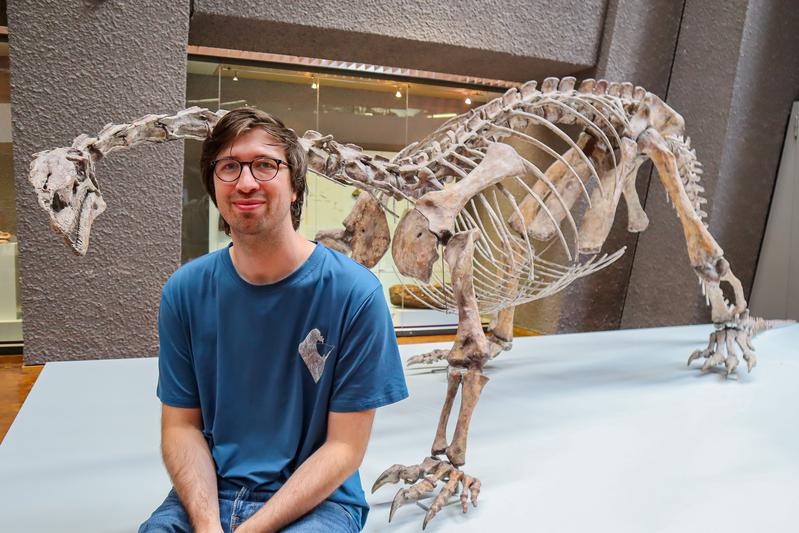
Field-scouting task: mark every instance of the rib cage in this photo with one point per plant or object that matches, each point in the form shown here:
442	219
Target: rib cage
510	268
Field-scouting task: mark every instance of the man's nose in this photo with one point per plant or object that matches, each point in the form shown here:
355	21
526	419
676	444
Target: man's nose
246	182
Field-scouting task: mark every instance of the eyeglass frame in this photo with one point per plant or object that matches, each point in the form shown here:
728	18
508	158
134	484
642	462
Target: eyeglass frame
248	163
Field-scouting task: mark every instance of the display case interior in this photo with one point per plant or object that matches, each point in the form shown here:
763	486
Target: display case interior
10	310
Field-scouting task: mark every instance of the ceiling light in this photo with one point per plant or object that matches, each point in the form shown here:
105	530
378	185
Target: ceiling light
236	76
468	101
398	94
314	86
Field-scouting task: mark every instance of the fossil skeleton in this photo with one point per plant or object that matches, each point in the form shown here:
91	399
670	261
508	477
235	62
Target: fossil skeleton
494	213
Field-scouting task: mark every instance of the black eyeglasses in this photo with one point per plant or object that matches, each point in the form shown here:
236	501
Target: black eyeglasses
261	168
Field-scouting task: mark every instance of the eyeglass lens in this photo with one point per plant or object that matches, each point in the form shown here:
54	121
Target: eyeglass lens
262	168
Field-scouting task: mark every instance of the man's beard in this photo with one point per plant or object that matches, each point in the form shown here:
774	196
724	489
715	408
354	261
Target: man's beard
267	224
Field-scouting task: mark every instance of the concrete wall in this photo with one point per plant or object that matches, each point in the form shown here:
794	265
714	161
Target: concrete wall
734	77
502	39
76	65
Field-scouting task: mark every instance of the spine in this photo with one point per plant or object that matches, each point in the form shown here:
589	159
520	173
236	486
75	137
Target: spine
690	169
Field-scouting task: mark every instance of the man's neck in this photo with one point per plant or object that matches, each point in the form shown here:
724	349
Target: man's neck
263	261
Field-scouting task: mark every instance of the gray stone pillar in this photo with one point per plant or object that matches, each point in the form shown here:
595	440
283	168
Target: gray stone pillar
75	66
735	75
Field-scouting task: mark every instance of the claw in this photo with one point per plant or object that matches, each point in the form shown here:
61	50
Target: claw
408	474
749	344
399	500
412	494
704	353
471	487
428	358
443	497
732	360
389	475
731	363
466	483
696	355
713	360
475	491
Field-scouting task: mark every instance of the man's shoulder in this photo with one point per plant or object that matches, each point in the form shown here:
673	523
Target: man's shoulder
348	273
195	271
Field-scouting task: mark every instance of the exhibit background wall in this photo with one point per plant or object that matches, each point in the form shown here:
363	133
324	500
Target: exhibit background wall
76	66
728	67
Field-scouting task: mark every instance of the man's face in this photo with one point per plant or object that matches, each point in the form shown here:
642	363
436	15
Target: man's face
254	207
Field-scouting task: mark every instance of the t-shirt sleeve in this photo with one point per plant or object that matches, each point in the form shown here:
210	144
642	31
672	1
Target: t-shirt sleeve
368	370
177	383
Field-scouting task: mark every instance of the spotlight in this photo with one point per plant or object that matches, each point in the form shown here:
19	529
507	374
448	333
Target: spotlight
314	86
468	101
236	76
398	94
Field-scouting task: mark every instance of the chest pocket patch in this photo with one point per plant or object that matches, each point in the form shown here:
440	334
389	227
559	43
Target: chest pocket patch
314	353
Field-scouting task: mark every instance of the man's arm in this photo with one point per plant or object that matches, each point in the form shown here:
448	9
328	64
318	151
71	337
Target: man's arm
189	463
322	473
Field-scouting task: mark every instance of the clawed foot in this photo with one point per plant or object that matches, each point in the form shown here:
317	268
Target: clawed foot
721	348
428	358
423	479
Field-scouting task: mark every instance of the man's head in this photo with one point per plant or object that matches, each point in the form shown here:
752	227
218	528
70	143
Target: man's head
244	134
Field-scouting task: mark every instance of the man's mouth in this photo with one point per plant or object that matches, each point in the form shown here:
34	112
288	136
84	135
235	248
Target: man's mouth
248	205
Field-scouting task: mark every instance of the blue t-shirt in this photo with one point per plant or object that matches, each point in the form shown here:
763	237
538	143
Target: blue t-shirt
266	363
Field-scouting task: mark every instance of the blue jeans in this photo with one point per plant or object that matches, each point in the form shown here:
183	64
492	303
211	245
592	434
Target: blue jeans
236	506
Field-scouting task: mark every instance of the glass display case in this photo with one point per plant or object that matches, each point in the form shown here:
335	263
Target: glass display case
10	312
380	115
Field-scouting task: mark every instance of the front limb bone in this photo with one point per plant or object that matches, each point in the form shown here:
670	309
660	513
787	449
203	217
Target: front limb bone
637	219
365	235
706	256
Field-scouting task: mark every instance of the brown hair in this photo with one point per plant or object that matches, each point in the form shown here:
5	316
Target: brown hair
242	120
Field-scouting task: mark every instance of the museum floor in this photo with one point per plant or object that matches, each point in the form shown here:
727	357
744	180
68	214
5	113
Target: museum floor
16	381
603	431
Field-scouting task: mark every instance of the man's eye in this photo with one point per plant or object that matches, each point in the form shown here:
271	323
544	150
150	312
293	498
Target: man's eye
265	164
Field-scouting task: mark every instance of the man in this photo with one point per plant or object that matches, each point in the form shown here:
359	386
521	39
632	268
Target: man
274	354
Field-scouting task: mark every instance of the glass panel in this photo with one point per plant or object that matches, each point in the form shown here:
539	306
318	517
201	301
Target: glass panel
10	311
202	90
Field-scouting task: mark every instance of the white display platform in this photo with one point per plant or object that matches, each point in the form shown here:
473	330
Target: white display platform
587	432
